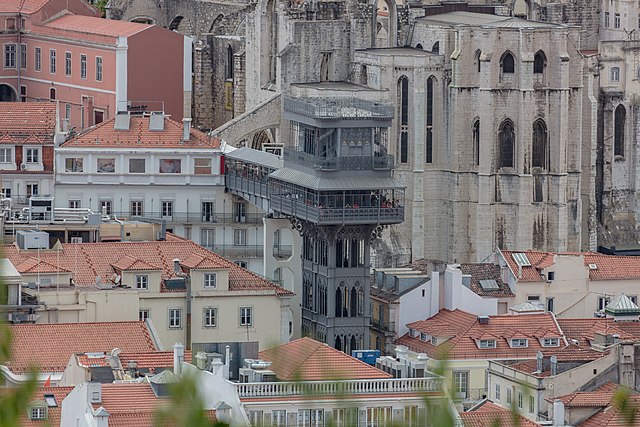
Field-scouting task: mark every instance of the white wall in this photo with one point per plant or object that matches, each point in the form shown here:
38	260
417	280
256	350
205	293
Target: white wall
458	296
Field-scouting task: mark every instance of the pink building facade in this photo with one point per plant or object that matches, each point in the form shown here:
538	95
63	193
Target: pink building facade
61	50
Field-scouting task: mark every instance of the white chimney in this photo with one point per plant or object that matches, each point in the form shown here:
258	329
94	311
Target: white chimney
554	366
178	357
176	265
539	361
186	129
558	413
227	361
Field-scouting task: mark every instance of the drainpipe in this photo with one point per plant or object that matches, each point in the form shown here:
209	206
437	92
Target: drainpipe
115	218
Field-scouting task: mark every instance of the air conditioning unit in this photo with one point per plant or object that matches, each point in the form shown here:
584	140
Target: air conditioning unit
23	167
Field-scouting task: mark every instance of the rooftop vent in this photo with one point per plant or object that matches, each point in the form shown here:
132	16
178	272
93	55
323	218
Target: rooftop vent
123	119
521	259
489	285
156	121
483	320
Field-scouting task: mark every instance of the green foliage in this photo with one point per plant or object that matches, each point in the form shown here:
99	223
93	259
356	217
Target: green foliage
101	5
625	406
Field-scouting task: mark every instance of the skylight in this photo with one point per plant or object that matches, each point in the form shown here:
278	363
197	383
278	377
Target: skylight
488	285
521	259
51	400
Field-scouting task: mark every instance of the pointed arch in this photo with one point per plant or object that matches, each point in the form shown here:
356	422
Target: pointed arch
436	48
419	46
476	59
216	25
339	302
228	65
620	118
539	62
507	144
353	309
338	343
429	131
508	63
403	102
539	145
353	344
476	141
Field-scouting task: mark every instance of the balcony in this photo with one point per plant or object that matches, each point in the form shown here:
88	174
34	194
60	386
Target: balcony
246	251
240	185
385	327
340	163
340	388
282	251
338	108
335	216
197	217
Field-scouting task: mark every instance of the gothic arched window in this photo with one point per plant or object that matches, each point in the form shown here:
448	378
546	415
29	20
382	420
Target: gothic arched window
508	63
539	145
539	62
507	141
403	95
618	131
429	137
476	141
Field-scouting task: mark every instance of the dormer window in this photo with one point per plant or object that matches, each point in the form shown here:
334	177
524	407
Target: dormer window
551	342
38	413
519	342
210	280
434	340
413	333
487	343
424	337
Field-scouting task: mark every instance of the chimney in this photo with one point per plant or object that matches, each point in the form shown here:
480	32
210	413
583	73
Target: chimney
227	362
178	357
176	266
539	361
483	320
95	392
186	129
201	360
558	413
554	366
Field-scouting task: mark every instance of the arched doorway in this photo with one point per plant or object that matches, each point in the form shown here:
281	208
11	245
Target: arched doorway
7	93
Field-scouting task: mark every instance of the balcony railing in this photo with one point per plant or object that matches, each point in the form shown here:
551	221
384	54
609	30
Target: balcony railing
282	251
340	163
318	215
338	108
337	388
245	251
239	184
383	326
197	217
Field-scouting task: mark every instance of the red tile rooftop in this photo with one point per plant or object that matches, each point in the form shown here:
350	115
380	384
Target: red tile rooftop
598	398
157	359
310	360
463	329
585	330
611	416
104	135
53	412
489	415
50	346
90	260
95	25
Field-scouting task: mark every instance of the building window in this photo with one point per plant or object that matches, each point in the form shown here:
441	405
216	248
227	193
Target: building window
614	74
436	48
73	164
175	317
246	316
23	93
52	61
239	237
137	208
508	63
606	19
379	417
618	130
207	237
497	397
137	166
32	190
67	63
410	417
311	417
539	62
507	141
460	384
83	66
228	66
52	94
210	280
39	413
10	23
477	60
167	210
33	155
23	56
67	111
210	317
6	155
532	404
170	166
550	304
106	207
202	166
487	343
98	69
279	418
107	165
550	342
240	212
520	403
207	212
242	264
10	55
539	145
603	302
255	418
74	204
403	94
143	315
476	142
429	136
508	395
519	342
616	20
37	63
142	282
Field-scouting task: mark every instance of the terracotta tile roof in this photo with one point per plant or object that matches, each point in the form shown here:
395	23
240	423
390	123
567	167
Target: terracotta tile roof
584	330
24	6
612	416
311	360
94	25
133	405
156	359
486	271
128	262
27	122
464	329
87	361
53	412
197	261
50	346
608	267
598	398
89	260
489	414
32	265
104	135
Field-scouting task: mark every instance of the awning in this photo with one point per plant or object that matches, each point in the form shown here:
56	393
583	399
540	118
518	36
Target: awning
349	183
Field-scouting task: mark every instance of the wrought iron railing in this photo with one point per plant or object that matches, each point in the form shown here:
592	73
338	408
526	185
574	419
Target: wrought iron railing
383	326
338	108
340	163
282	251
